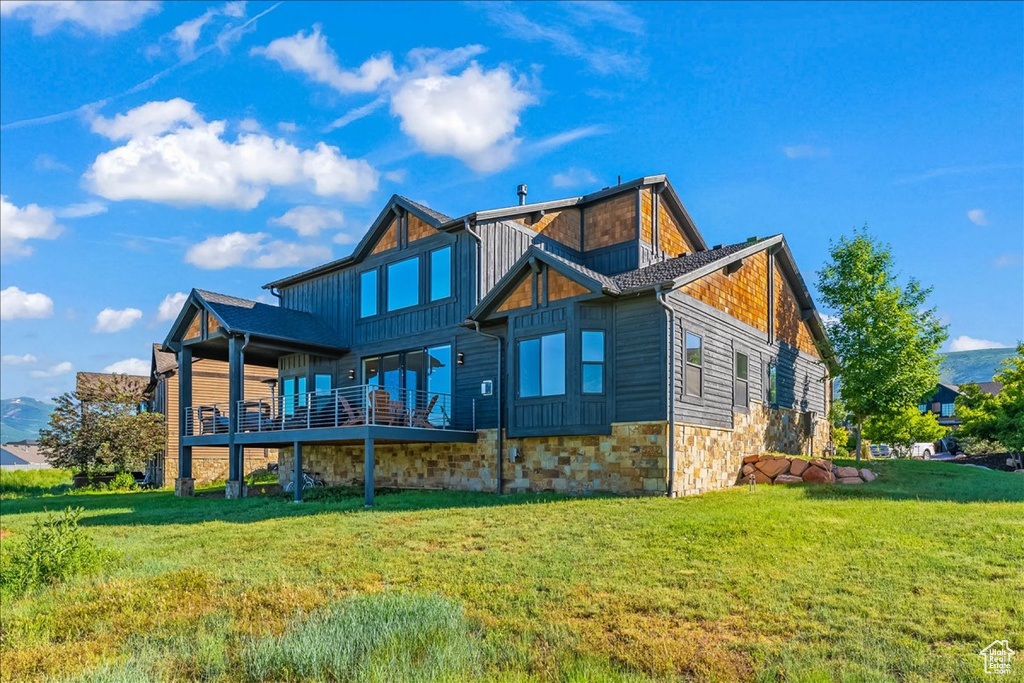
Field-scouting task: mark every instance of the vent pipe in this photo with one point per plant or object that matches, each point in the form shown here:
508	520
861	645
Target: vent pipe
521	191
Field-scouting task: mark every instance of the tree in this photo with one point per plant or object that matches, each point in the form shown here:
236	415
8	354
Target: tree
997	418
101	428
904	428
884	339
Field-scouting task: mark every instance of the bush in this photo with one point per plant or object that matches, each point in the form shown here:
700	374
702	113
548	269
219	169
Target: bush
55	549
842	452
973	445
123	481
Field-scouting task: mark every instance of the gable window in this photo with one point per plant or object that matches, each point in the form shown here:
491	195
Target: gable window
542	366
694	365
592	355
403	283
367	293
773	392
440	273
741	384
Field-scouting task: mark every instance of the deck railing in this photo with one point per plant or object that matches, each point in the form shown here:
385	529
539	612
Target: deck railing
366	404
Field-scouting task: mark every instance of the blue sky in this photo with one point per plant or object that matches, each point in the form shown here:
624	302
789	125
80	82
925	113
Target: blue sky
148	148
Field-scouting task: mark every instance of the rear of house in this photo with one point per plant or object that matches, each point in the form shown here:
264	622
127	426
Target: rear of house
594	343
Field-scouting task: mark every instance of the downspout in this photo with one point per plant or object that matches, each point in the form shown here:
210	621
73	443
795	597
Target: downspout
274	292
498	390
479	252
660	295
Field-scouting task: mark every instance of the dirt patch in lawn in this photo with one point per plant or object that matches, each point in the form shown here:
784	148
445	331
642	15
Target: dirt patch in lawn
993	461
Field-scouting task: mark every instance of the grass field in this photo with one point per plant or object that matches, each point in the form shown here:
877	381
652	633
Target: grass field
903	579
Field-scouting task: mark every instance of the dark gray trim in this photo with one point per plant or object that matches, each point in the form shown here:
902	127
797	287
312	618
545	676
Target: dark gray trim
335	435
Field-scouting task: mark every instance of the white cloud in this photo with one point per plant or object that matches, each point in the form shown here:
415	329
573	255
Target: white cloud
83	210
53	371
175	157
130	366
574	177
397	176
17	225
311	55
561	139
187	34
48	162
27	359
250	126
15	304
805	152
308	221
356	114
1010	258
254	251
170	307
472	116
111	320
965	343
105	18
287	127
977	216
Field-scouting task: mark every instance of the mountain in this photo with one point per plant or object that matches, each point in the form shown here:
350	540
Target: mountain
961	367
22	418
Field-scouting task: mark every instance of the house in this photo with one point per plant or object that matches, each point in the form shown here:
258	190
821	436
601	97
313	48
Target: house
210	384
22	454
942	401
594	343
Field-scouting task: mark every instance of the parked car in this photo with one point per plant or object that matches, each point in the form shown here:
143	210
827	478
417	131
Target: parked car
880	450
923	450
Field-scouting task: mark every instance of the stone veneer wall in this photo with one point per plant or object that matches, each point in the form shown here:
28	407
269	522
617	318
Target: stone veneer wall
631	459
710	458
207	469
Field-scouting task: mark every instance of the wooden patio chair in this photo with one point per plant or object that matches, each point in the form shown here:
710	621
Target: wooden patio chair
421	417
384	411
349	415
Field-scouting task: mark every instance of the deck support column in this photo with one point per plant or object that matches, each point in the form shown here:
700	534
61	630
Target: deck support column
184	484
297	471
235	485
368	471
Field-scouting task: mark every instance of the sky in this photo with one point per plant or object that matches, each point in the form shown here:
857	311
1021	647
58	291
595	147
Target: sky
148	148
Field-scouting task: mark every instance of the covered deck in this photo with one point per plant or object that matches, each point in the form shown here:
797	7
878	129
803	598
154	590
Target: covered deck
249	333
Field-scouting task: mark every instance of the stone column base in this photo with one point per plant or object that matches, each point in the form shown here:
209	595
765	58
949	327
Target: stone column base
235	489
184	486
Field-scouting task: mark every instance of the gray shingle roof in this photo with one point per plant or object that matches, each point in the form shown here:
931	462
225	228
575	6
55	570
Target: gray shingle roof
606	281
436	215
165	360
242	315
670	269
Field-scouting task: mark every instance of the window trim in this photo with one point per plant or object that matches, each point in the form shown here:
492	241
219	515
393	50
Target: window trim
736	353
429	259
602	363
771	388
687	365
540	367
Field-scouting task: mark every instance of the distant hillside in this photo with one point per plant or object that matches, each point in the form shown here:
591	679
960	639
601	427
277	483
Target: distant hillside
961	367
22	418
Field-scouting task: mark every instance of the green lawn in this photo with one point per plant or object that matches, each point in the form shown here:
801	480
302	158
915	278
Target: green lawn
904	579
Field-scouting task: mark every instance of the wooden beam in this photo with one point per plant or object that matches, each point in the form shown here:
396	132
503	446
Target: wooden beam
368	471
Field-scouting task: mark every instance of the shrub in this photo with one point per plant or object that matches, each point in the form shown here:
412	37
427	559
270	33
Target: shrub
973	445
55	549
123	481
842	452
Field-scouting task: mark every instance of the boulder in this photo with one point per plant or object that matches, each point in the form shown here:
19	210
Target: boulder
788	479
773	467
867	475
850	480
847	472
761	477
823	464
747	469
750	458
797	466
817	475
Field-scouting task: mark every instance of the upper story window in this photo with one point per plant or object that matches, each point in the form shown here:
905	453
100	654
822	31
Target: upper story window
403	283
741	382
923	407
440	273
592	355
367	293
773	392
542	366
694	370
947	410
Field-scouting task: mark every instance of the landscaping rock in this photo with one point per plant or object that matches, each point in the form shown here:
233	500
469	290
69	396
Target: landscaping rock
823	464
761	477
751	458
773	467
788	479
797	466
847	472
817	475
850	480
747	469
867	475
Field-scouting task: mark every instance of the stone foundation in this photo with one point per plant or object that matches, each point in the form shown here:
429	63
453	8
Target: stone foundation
183	487
210	468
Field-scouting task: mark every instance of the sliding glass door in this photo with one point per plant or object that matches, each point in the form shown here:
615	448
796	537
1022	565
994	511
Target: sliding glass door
414	378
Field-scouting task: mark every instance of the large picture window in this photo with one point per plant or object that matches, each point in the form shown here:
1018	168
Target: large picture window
440	274
367	293
403	284
694	369
592	355
741	381
542	366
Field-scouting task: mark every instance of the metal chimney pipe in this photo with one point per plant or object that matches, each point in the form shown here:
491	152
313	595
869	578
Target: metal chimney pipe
521	191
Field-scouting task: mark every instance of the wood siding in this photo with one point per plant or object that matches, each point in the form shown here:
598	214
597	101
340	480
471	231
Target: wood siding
521	296
610	222
561	287
562	226
670	236
639	360
418	228
388	240
646	215
743	294
789	324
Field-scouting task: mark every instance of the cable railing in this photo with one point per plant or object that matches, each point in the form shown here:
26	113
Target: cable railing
351	406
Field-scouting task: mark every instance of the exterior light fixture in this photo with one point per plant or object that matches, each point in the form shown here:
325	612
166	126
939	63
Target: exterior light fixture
352	374
460	358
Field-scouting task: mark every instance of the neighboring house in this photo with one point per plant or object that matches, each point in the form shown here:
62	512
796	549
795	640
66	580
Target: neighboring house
210	384
23	454
594	343
942	401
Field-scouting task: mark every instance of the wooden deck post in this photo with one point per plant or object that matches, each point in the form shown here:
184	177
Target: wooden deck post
368	471
297	471
184	484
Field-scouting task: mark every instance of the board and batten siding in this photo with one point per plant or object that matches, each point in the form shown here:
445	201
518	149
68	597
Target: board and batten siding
638	359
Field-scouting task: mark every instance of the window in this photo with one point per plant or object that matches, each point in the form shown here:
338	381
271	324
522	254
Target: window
293	393
367	293
922	407
404	284
741	385
694	365
441	274
947	410
542	366
592	348
322	385
773	394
